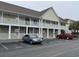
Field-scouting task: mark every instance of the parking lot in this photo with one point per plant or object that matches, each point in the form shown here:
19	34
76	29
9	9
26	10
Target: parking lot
21	45
49	46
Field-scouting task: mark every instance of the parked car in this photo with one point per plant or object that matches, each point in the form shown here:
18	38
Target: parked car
32	38
65	36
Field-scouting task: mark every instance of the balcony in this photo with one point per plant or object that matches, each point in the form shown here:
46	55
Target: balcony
63	27
34	23
10	21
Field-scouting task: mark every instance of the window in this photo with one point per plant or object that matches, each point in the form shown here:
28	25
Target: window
35	21
54	22
63	24
27	21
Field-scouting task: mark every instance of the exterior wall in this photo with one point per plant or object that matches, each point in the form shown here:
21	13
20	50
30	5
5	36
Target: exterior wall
9	18
44	33
14	32
33	30
22	21
4	32
50	15
50	33
22	32
0	16
67	26
19	23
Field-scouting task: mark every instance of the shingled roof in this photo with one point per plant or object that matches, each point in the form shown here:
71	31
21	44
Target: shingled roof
18	9
26	11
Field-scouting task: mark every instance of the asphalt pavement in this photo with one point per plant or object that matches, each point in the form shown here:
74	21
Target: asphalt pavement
49	48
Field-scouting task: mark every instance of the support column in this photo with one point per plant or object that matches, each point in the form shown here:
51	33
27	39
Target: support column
59	27
47	33
19	32
26	30
41	32
30	21
33	30
59	31
18	19
53	33
2	17
9	31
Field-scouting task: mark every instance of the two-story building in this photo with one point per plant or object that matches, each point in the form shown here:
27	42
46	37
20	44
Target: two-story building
16	21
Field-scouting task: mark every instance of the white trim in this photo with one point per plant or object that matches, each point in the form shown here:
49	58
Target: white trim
30	21
9	31
18	32
47	33
53	33
26	30
41	32
2	17
18	19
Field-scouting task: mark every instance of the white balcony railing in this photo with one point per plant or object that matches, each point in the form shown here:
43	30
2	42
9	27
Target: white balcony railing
34	24
10	21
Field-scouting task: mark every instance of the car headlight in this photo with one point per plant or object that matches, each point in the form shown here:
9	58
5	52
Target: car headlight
35	39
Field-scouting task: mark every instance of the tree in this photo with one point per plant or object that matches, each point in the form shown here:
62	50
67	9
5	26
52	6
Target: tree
74	26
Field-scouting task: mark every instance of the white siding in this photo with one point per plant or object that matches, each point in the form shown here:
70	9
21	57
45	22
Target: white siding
50	15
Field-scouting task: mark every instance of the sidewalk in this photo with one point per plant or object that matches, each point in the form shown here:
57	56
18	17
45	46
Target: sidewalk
10	40
20	40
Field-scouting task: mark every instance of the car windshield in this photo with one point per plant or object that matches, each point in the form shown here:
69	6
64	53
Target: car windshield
33	36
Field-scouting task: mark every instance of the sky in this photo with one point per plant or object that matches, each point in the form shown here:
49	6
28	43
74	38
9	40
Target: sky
64	9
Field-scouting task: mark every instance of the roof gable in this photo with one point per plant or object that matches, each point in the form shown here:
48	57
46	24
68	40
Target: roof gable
49	14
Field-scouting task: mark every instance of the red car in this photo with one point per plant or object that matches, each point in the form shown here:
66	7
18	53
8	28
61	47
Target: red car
65	36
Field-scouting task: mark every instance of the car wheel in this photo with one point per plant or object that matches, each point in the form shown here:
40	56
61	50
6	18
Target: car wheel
67	38
31	42
40	43
57	37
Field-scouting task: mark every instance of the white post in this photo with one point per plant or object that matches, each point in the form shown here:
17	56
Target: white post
59	31
33	30
41	32
18	19
18	27
59	27
30	21
47	33
19	32
53	33
39	22
2	17
9	31
26	30
40	25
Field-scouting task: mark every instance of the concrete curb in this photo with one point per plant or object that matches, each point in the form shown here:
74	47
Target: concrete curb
20	40
10	40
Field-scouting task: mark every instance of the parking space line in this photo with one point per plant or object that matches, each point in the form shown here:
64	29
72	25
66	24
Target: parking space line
19	47
4	46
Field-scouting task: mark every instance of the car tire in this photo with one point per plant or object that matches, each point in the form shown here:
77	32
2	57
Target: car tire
67	38
40	43
57	37
31	42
